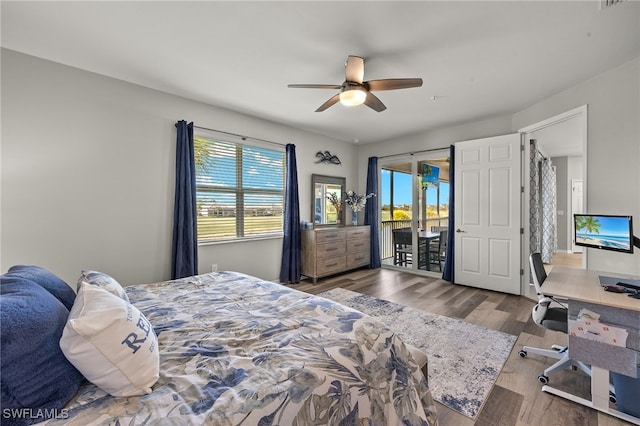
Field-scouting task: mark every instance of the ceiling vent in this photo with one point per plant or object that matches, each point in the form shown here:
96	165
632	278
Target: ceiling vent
608	3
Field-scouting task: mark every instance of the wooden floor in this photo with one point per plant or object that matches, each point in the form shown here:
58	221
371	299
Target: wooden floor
516	398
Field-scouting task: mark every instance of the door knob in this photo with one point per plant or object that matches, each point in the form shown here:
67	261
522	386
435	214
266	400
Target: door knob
460	230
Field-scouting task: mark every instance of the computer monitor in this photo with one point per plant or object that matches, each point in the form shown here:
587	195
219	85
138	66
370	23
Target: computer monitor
605	232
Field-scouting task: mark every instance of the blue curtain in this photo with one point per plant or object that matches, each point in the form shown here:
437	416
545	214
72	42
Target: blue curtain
371	213
291	256
184	255
448	273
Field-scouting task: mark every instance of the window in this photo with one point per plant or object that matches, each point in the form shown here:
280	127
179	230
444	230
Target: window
438	202
239	189
397	198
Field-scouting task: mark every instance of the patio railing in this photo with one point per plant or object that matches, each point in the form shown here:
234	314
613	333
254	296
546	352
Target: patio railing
386	232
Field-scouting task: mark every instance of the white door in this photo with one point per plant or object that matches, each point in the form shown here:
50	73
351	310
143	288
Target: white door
577	199
488	204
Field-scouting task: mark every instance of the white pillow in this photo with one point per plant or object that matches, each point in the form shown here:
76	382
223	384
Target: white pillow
100	279
111	343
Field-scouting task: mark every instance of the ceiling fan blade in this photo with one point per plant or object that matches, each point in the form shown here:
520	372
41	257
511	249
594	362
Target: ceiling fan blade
374	103
314	86
334	100
393	84
354	69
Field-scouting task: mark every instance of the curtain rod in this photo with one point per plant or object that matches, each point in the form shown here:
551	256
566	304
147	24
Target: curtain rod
243	137
415	152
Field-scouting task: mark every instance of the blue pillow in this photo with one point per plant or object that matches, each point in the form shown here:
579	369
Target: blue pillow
34	373
54	285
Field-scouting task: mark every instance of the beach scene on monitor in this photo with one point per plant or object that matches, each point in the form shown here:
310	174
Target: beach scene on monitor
603	231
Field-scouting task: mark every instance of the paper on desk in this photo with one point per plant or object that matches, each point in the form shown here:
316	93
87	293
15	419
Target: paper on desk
587	315
594	330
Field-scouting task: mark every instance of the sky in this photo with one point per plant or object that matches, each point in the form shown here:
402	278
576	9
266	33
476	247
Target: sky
261	169
402	190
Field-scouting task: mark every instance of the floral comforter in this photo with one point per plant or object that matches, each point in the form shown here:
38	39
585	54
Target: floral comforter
237	350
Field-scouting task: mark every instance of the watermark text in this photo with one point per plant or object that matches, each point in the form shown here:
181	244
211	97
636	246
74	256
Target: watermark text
35	413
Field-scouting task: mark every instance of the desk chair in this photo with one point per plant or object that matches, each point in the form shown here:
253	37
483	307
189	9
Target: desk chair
402	250
552	318
438	249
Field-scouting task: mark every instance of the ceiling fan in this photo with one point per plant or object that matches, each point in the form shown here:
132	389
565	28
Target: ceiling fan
354	91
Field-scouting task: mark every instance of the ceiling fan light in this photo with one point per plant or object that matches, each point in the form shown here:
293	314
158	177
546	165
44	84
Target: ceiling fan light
352	96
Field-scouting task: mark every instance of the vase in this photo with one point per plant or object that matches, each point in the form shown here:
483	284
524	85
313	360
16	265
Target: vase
354	218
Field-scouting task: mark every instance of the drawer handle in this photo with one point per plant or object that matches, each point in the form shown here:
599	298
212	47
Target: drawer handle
331	264
358	245
359	258
330	236
332	249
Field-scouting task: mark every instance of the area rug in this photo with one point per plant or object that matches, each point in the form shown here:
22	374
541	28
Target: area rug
464	359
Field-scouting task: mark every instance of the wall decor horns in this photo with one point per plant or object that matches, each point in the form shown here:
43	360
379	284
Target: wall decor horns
327	157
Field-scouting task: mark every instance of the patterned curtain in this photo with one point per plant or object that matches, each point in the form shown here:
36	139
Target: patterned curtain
542	204
549	211
535	215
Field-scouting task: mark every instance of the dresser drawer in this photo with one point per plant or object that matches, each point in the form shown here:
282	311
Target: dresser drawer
330	249
358	232
332	235
357	245
330	264
358	259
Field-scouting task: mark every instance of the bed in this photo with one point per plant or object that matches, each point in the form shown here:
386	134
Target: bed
237	350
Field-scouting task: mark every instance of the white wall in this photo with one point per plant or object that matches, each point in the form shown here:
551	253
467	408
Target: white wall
575	171
434	139
613	149
575	168
87	174
562	202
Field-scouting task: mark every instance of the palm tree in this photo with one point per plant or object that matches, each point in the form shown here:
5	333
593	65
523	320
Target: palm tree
201	154
589	223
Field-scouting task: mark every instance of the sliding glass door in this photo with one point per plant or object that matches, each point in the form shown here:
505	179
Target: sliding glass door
415	209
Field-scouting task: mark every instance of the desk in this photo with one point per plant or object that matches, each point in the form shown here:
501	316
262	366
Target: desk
582	290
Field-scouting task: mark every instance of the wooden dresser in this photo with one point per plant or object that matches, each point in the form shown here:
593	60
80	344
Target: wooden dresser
327	251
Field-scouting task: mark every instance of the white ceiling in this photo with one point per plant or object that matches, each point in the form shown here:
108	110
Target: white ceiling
479	59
